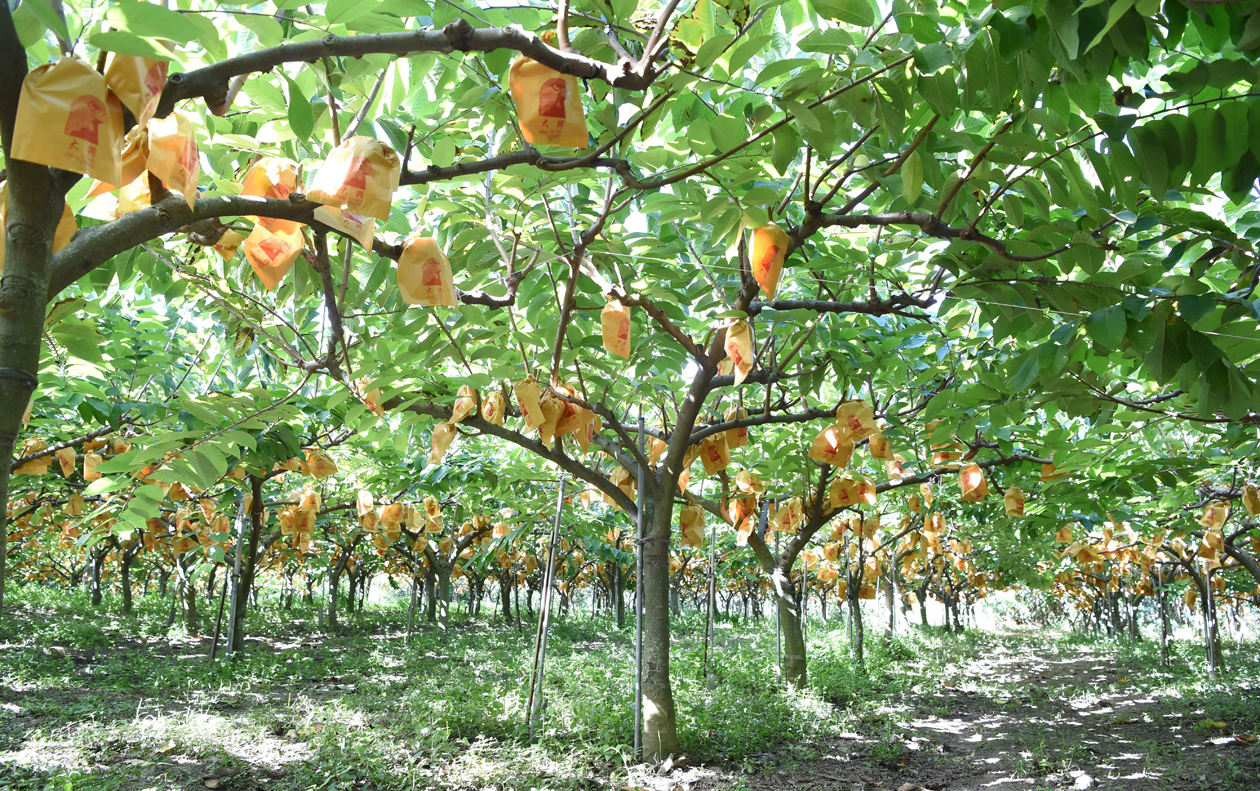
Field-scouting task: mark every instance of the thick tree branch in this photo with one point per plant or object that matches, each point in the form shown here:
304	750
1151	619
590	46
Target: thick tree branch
212	82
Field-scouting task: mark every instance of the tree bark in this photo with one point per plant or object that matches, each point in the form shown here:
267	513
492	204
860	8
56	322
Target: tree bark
249	557
660	735
505	594
35	204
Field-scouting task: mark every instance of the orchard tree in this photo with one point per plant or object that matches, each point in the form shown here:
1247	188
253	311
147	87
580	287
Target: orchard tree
1028	222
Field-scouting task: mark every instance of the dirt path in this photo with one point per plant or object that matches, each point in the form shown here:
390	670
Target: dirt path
1017	720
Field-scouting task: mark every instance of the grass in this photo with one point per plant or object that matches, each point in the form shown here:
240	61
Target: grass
95	700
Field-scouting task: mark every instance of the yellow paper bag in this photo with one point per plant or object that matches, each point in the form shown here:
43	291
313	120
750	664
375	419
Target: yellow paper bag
551	407
572	417
769	246
857	419
1214	514
852	489
35	466
68	118
623	480
691	522
173	154
739	348
736	437
880	447
272	177
1251	499
1014	501
356	226
137	82
832	446
424	274
135	162
972	483
360	175
893	467
925	489
586	434
271	254
1064	535
443	435
914	504
90	462
65	458
615	323
228	244
740	510
747	482
465	404
548	104
714	454
65	231
319	464
494	407
528	395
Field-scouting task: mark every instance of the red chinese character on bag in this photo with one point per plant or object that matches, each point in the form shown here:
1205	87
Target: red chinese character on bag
431	272
273	247
551	98
86	115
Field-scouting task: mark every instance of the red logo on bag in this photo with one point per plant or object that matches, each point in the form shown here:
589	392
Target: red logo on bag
273	247
277	190
714	455
768	259
551	98
358	172
623	331
87	113
431	272
155	78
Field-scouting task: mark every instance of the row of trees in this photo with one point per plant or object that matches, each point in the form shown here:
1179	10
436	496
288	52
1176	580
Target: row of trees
1018	237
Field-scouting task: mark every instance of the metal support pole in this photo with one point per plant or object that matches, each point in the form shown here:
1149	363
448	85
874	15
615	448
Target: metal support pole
712	588
544	619
236	573
638	607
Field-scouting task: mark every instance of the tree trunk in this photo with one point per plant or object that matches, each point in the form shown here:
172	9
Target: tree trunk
794	664
660	735
444	596
619	598
505	595
856	629
34	209
192	622
249	554
430	596
124	563
98	560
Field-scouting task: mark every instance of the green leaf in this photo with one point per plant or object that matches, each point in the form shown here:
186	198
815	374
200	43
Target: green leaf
1151	159
787	145
150	20
1118	9
1107	327
911	178
56	24
854	12
301	116
125	43
1065	24
1168	352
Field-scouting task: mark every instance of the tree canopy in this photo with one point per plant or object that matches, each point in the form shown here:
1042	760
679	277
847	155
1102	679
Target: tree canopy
1017	251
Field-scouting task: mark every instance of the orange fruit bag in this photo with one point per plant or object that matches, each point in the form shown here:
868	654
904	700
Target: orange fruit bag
271	254
769	246
548	104
615	324
355	226
738	347
424	273
68	118
137	82
360	175
272	177
173	154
